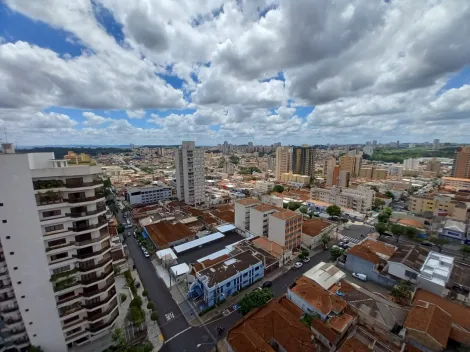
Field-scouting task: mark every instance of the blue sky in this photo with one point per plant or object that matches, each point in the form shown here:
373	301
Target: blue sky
233	72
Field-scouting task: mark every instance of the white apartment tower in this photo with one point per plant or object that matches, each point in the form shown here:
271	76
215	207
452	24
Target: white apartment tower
57	286
283	161
190	173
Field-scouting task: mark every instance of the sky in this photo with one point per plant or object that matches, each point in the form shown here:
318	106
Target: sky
116	72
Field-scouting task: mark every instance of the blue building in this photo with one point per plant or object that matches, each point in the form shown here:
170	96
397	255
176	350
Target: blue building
455	231
227	277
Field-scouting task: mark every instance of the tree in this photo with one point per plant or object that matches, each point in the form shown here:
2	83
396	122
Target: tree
144	347
378	203
119	340
120	228
397	231
255	299
374	188
325	238
135	315
234	159
336	252
439	242
278	188
402	292
145	293
381	228
35	349
465	251
154	316
293	206
136	302
151	306
463	348
411	233
385	215
389	194
303	209
107	183
333	210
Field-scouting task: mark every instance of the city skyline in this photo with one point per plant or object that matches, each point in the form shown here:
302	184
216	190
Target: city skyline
103	72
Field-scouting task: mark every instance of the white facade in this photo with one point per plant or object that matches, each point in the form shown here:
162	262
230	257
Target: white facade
395	170
360	199
411	164
148	195
402	271
369	150
56	248
264	186
190	174
435	273
242	213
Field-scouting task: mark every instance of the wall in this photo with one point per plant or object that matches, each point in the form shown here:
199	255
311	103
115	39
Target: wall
359	265
431	286
276	230
398	270
256	222
302	304
25	251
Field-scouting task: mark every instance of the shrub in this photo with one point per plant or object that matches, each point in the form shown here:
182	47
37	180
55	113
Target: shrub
145	293
136	302
151	306
154	316
123	297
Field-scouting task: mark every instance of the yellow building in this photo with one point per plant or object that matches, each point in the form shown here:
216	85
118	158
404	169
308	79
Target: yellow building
75	158
421	204
366	172
379	174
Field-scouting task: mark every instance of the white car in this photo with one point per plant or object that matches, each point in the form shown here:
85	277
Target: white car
306	259
146	254
362	277
298	265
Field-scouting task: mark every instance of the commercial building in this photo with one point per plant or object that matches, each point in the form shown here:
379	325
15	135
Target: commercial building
461	166
264	186
312	231
242	212
164	234
190	173
436	144
411	164
148	194
283	161
285	228
421	204
395	170
434	165
360	199
57	279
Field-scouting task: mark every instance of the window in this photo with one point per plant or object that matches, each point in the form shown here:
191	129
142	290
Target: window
8	237
57	242
61	269
12	253
23	296
19	282
15	268
4	221
411	274
59	256
30	323
48	214
26	310
228	285
35	335
54	228
1	204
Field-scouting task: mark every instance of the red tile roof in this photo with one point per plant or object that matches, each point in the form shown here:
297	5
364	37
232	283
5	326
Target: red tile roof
365	253
164	232
313	227
379	247
354	345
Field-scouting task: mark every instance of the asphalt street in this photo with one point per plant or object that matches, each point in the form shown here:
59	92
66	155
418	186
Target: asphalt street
170	318
189	339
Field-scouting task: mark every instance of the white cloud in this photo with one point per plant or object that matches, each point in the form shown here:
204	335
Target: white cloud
93	119
135	114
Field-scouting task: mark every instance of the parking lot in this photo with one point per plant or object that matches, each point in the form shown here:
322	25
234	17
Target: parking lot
191	256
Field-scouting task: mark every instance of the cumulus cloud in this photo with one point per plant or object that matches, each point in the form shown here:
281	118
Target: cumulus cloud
368	69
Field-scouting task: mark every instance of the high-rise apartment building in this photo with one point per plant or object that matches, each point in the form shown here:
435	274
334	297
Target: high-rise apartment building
351	164
332	177
461	167
283	161
344	177
328	164
303	160
190	173
434	165
411	164
56	272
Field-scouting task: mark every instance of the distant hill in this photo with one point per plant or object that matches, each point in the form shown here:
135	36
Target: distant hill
60	152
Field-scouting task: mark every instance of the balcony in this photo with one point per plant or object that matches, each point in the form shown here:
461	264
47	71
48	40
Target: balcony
5	288
91	241
73	323
22	341
11	321
97	278
66	284
86	227
108	298
83	184
91	254
47	184
99	209
5	298
74	308
95	328
101	290
61	246
17	332
83	199
82	267
100	315
9	309
69	299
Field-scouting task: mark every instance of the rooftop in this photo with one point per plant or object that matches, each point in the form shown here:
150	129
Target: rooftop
437	268
266	207
447	178
224	215
411	222
248	201
411	256
325	274
383	250
431	320
269	246
460	314
286	214
279	320
317	297
354	345
163	233
226	269
365	253
313	227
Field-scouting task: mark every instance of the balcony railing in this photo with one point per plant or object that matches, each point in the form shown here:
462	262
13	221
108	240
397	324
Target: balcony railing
83	184
17	331
68	299
11	321
111	295
95	292
47	184
46	201
6	298
22	341
97	277
86	227
65	245
97	327
91	254
93	317
84	199
70	310
5	286
86	213
93	240
9	309
66	284
100	264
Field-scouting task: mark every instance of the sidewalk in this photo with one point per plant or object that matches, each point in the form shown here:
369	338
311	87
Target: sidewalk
154	334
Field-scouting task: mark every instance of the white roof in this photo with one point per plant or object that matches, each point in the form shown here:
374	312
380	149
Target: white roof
166	254
180	269
199	242
189	220
226	228
437	268
325	274
214	255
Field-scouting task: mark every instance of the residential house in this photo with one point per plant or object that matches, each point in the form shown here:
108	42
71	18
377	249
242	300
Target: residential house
313	230
406	262
455	231
435	273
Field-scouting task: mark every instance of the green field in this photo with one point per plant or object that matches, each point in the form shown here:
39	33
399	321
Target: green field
398	155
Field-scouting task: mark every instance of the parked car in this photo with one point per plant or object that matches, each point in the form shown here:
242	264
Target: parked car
267	284
362	277
427	244
129	234
298	265
135	234
146	254
306	259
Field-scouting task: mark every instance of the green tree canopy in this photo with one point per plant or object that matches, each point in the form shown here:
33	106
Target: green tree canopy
255	299
385	215
234	159
325	238
402	292
278	188
381	228
120	228
333	210
336	252
303	209
389	194
293	206
397	231
439	242
378	203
